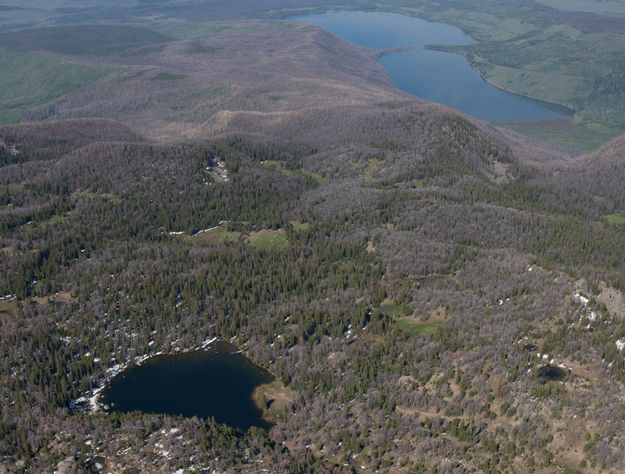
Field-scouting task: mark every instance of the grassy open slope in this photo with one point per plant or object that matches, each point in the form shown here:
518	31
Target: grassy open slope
561	65
565	132
93	40
615	218
30	80
600	7
568	58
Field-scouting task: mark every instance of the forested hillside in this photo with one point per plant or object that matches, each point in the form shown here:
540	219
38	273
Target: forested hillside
434	293
411	286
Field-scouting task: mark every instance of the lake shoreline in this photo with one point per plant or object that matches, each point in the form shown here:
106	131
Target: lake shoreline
215	379
443	49
270	397
90	402
399	49
425	73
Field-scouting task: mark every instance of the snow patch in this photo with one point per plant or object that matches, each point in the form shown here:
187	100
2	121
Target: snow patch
205	230
580	299
207	342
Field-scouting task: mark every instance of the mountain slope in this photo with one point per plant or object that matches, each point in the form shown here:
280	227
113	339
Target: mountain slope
433	302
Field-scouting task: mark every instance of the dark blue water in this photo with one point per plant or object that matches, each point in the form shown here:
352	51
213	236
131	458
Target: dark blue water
215	382
432	75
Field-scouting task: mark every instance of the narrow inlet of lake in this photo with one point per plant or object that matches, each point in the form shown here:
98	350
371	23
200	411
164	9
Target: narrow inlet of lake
436	76
214	382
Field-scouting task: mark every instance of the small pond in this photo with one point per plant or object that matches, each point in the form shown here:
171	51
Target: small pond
217	381
436	76
552	372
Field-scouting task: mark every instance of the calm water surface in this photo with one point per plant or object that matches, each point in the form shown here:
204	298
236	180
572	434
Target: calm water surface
215	382
436	76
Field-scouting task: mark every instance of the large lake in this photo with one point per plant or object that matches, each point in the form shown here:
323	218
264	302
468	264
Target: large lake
217	382
436	76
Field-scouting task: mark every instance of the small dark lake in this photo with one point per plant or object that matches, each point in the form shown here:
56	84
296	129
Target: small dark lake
551	372
217	381
436	76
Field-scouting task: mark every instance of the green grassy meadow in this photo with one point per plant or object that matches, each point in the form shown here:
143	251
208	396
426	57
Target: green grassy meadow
564	132
615	218
31	80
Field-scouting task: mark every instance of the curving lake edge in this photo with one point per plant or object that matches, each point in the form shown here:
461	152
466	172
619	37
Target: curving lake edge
90	401
431	47
192	383
503	106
